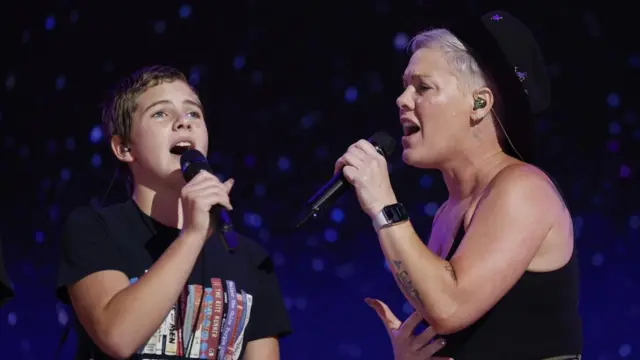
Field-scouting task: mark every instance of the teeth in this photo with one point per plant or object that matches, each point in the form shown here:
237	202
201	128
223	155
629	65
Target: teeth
183	143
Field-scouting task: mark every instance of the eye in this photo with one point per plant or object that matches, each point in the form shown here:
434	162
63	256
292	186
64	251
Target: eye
422	88
159	115
194	114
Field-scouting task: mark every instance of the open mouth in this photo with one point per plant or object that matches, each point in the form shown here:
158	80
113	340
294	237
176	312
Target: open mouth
410	128
180	147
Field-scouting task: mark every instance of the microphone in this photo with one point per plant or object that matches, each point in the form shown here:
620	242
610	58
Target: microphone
338	185
192	162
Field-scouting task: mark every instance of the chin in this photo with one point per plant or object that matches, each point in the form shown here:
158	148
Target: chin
418	159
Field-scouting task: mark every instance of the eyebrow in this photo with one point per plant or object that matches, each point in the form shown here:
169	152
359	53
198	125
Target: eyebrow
414	75
189	102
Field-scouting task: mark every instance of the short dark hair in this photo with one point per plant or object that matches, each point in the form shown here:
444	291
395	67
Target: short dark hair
117	112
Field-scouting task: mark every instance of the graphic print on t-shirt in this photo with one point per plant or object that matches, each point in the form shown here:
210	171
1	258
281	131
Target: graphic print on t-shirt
205	323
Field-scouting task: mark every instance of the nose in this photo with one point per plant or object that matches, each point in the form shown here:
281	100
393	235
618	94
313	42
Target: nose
405	100
182	123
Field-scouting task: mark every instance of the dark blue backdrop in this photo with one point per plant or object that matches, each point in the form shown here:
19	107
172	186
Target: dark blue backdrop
287	88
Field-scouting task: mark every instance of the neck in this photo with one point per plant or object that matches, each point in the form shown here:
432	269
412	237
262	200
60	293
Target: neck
164	206
467	176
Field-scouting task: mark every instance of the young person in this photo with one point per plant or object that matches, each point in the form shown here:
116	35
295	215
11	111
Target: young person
149	278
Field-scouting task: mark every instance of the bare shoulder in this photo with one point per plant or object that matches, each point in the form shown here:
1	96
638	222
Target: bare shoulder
526	189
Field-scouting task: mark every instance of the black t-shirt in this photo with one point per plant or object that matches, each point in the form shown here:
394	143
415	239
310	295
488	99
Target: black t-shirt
231	298
5	285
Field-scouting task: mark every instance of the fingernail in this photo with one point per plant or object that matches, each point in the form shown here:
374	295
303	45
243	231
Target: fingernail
369	301
442	341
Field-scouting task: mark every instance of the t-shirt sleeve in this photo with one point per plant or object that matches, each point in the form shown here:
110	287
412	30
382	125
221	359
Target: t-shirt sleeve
85	248
5	285
269	313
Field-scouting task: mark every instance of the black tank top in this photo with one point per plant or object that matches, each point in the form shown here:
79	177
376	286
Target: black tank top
537	319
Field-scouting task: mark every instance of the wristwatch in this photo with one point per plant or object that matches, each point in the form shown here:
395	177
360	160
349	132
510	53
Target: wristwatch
389	215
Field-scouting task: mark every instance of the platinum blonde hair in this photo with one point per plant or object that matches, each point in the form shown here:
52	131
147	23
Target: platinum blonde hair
461	61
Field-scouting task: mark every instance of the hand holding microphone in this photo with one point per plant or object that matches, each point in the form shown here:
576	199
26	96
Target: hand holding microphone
364	167
200	195
205	199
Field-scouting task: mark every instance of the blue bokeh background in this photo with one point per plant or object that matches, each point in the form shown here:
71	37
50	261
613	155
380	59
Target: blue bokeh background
287	87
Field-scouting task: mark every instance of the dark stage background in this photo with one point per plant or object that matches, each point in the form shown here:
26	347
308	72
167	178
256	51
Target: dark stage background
287	87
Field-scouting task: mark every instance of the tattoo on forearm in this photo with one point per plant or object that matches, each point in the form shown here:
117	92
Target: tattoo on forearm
451	272
402	276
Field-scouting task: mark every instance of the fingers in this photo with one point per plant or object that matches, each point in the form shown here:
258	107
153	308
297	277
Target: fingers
205	198
229	184
356	156
431	349
205	190
389	319
411	323
426	336
367	148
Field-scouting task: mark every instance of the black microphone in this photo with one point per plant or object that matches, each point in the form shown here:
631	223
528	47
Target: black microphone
331	191
193	162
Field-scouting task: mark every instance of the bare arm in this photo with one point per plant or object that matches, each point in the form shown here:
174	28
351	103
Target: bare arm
262	349
119	317
508	227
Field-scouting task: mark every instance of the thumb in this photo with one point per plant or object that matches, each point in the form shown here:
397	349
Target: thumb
389	319
229	184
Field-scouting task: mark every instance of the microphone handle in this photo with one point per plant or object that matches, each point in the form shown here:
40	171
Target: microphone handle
220	220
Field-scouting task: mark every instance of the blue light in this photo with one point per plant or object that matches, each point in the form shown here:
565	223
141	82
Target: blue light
283	163
400	41
259	190
239	62
252	220
70	143
249	161
386	265
351	94
96	160
634	222
96	134
60	82
160	27
614	128
330	235
65	174
73	16
431	208
317	265
613	100
50	22
426	181
337	215
39	237
185	11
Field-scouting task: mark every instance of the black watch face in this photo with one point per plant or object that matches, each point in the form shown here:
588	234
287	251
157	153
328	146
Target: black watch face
395	213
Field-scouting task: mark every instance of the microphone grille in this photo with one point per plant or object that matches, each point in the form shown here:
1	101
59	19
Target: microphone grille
384	141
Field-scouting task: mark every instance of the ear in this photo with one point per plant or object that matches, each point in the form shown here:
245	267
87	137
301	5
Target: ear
482	104
121	150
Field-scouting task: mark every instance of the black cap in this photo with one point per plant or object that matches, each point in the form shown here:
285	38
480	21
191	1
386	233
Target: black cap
506	50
